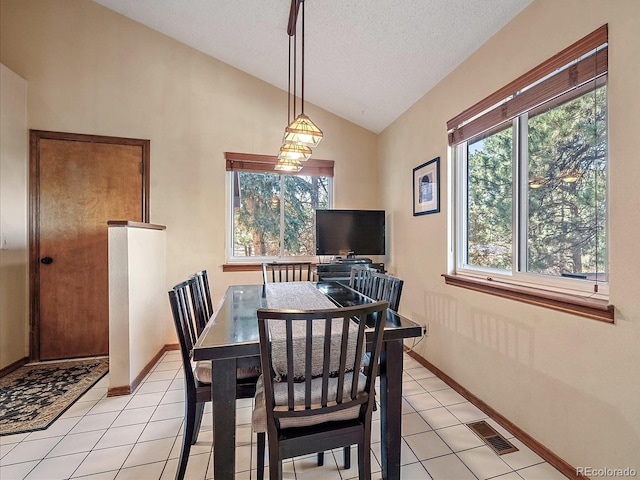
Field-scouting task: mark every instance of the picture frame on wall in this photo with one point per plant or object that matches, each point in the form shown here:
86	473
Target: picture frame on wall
426	188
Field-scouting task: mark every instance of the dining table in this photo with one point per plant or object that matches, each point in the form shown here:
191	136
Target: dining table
230	340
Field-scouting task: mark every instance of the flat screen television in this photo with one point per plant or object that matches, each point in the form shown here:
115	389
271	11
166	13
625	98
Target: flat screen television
350	232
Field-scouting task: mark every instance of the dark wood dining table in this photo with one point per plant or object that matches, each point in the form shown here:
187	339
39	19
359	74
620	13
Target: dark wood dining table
230	339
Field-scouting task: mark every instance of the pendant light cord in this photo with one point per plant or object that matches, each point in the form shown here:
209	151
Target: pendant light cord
295	67
289	87
595	171
302	71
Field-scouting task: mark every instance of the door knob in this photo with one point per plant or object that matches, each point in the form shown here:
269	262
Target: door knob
46	260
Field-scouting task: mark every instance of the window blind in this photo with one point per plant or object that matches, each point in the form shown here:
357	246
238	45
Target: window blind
248	162
515	98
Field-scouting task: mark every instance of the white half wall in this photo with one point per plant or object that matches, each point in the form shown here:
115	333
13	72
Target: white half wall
14	250
140	323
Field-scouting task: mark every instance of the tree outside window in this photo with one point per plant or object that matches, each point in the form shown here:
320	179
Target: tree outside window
275	215
562	212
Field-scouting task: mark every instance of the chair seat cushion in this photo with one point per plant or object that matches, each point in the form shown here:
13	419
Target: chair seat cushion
202	372
259	418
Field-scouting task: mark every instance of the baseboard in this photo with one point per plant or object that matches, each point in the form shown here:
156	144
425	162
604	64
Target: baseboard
13	366
128	389
118	391
546	454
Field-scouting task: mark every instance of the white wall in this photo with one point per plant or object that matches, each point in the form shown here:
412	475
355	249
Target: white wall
14	252
571	383
140	323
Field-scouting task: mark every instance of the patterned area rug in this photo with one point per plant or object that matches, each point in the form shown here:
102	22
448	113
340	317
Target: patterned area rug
34	395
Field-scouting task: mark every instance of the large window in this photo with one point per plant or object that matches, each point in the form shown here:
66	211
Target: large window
273	214
531	178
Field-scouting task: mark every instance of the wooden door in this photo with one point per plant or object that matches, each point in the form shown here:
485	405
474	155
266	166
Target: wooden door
78	183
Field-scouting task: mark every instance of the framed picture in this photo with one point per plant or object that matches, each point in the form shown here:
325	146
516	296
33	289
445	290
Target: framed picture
426	188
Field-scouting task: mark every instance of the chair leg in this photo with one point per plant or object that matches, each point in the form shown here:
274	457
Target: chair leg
275	462
190	414
364	460
197	422
260	459
346	454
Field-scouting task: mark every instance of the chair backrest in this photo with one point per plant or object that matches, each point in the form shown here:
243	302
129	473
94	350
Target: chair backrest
386	287
360	279
184	317
286	272
326	348
201	297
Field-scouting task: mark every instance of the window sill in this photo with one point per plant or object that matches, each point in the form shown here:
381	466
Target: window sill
584	307
242	267
247	267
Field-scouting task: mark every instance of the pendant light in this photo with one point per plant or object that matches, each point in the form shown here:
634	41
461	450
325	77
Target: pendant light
300	134
288	165
292	151
302	130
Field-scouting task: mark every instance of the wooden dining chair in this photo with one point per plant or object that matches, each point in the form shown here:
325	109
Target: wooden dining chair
360	279
286	272
385	287
201	298
313	394
198	378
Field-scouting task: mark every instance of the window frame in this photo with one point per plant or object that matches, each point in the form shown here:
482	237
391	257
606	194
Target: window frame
520	162
578	68
252	163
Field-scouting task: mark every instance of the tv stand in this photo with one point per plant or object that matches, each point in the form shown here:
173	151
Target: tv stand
340	269
351	259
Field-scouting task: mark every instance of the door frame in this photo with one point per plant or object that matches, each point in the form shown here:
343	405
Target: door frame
34	213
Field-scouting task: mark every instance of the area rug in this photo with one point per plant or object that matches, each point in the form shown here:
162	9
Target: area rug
34	395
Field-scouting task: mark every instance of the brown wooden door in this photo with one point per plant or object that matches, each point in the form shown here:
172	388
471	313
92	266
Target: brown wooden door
81	183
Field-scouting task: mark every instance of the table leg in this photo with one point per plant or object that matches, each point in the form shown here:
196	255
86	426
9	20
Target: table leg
223	393
391	358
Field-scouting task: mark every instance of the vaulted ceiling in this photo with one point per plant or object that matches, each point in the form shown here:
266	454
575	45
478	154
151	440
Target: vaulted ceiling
365	60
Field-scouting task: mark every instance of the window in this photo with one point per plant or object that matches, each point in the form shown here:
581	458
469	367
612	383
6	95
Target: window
273	214
531	176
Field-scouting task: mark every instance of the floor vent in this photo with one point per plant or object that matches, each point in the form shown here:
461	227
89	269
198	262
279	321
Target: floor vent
491	437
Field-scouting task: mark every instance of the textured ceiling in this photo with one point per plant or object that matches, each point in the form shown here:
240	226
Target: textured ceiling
365	60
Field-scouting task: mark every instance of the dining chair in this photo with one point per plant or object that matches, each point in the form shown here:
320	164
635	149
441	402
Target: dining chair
313	394
286	272
198	377
385	287
201	298
360	278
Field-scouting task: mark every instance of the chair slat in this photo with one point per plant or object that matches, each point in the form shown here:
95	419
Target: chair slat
308	365
290	374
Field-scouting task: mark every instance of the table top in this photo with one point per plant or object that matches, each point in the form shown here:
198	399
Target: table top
232	332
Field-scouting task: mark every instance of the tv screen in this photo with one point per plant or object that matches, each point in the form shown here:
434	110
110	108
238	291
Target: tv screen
350	232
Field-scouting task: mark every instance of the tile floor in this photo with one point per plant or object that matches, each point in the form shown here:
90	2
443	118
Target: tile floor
139	436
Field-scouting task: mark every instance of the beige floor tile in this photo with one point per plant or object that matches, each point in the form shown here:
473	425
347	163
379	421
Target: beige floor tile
427	445
56	468
448	467
149	471
484	462
76	443
149	452
104	460
118	436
